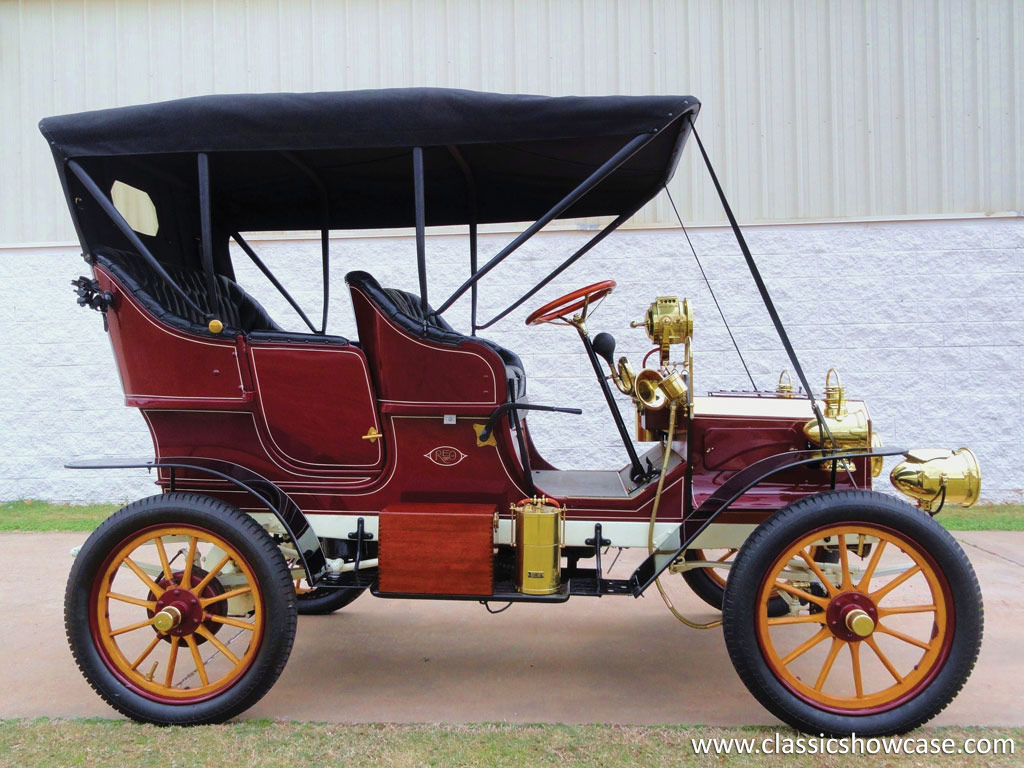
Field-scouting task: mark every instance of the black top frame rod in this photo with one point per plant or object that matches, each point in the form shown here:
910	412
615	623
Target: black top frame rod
206	230
325	232
631	147
271	277
611	227
762	288
467	173
115	216
421	223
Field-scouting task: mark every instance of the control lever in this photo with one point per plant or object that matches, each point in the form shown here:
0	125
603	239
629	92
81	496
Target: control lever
497	413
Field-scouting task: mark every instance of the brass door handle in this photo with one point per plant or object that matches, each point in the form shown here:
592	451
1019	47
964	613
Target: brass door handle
373	435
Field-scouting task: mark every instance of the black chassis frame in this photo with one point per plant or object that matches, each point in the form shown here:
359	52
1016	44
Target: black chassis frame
588	582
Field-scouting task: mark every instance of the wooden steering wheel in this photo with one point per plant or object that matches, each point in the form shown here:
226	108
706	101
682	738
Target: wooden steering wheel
564	305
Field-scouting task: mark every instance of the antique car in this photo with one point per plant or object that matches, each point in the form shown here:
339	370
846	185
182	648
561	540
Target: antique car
298	470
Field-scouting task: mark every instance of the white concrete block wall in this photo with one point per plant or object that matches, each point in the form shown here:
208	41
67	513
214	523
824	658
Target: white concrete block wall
922	318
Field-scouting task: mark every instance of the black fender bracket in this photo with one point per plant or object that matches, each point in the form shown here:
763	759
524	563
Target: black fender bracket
727	494
287	512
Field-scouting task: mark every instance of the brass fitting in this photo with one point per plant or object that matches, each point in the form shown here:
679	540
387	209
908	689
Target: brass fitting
167	619
859	622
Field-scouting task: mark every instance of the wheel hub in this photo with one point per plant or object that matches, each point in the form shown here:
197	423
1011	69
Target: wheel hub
851	616
179	611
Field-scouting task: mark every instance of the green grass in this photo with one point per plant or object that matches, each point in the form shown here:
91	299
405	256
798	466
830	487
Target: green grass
997	517
260	743
29	515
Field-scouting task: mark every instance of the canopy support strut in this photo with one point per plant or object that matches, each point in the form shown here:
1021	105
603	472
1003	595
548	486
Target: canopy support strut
421	224
611	227
115	216
763	290
270	276
206	231
467	173
325	232
633	146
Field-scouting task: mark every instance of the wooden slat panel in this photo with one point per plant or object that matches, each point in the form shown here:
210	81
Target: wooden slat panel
442	549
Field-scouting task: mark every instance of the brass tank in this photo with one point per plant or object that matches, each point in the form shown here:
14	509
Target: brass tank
538	543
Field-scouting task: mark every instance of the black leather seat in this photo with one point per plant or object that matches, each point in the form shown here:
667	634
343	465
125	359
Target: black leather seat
235	308
406	310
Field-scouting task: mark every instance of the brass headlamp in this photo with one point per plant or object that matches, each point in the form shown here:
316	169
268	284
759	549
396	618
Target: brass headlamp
934	476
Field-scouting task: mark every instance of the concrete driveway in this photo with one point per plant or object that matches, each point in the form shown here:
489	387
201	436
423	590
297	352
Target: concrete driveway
615	659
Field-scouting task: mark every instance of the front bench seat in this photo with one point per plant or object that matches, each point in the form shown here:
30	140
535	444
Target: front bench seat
406	310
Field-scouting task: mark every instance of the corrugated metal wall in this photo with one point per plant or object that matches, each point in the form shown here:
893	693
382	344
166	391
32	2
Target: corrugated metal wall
813	110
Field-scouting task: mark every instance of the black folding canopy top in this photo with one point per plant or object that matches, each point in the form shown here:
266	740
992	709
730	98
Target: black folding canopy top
524	153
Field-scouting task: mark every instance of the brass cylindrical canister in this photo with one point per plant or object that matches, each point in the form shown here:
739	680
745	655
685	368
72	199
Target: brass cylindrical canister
538	547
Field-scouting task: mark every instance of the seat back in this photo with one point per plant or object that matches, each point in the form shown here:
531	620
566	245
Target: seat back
407	311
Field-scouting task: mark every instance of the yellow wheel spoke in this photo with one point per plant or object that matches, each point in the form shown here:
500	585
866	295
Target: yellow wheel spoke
130	627
878	594
844	562
186	575
883	612
903	637
150	604
817	572
145	653
808	618
164	562
804	647
865	579
155	588
200	666
729	553
797	592
837	646
212	638
226	596
858	682
210	575
171	659
231	622
883	658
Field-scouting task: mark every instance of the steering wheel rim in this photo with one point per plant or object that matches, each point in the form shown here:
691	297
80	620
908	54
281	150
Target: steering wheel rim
570	302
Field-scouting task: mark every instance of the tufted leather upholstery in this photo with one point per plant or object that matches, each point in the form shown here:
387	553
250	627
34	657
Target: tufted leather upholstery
406	310
235	308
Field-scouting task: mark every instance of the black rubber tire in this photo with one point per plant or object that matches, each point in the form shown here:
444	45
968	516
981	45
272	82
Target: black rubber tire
712	593
268	567
786	526
320	601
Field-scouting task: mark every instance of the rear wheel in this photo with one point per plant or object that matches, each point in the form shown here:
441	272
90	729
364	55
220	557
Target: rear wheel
875	644
180	609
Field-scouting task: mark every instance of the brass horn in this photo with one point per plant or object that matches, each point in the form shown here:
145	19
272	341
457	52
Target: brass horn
657	388
648	390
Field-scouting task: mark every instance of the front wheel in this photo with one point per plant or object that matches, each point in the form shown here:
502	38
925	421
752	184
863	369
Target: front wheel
877	643
180	609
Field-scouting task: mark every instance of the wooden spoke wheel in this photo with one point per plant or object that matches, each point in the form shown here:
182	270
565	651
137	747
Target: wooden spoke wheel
180	609
878	642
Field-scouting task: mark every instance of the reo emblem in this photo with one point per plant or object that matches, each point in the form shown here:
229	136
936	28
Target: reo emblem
445	456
